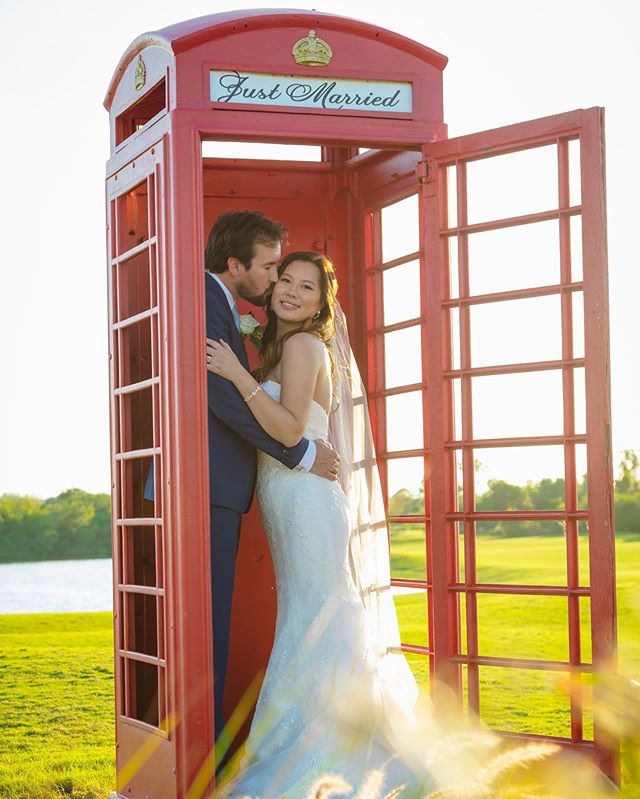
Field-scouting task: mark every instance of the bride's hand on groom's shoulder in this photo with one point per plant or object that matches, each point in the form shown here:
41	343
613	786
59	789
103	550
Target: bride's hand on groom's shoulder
221	359
327	461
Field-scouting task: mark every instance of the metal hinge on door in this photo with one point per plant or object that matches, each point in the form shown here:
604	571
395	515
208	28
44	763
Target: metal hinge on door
422	171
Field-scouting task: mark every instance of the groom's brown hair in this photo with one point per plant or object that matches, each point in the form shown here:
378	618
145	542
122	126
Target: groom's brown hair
234	234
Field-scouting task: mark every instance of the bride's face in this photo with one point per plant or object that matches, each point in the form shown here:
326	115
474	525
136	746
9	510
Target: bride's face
296	296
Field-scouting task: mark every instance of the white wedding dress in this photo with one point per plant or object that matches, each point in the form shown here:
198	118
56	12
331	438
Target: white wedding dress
323	708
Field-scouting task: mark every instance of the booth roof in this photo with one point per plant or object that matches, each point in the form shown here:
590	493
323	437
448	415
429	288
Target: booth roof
192	32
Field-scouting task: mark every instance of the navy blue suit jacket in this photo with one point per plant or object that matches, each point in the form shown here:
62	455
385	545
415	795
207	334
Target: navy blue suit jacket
234	434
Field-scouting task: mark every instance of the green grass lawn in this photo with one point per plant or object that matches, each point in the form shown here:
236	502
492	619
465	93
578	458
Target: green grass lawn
530	627
56	695
56	670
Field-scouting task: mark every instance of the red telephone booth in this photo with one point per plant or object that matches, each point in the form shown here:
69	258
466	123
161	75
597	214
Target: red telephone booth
405	214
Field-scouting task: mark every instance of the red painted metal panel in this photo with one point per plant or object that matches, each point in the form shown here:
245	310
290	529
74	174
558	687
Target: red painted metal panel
443	552
187	458
598	393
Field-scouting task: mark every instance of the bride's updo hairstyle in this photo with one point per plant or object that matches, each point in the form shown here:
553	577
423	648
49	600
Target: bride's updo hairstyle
322	327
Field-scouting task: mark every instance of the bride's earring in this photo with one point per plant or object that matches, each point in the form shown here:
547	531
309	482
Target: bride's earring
316	315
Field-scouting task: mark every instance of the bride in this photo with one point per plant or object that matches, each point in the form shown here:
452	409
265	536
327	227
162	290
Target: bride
338	695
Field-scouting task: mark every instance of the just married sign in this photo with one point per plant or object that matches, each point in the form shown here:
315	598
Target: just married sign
368	96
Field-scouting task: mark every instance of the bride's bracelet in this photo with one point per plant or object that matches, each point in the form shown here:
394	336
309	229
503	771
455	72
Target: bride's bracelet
249	397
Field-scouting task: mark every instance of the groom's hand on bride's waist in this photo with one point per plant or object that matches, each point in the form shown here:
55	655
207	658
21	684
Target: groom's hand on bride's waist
327	461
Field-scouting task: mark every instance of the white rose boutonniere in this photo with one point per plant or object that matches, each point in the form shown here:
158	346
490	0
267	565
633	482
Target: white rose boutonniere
252	329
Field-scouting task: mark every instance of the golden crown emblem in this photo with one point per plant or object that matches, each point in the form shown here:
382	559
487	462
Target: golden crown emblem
312	52
140	75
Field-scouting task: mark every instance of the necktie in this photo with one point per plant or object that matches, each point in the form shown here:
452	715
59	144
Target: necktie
236	316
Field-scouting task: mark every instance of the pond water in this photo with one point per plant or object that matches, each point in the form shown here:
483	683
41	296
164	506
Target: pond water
64	586
56	586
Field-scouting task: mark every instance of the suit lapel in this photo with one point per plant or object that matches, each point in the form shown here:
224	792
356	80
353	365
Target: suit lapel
237	342
241	351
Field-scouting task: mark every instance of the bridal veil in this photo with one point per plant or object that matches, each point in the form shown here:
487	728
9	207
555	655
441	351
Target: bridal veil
350	434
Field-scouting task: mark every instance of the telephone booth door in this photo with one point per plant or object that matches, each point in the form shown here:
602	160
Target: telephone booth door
487	352
141	557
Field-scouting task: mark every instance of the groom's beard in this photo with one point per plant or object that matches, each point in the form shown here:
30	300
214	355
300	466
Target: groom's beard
247	292
260	301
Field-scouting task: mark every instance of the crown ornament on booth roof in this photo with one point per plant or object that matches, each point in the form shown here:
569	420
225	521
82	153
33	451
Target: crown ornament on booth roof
312	52
140	75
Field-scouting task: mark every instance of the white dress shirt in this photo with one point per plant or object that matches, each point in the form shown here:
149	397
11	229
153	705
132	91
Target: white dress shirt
309	456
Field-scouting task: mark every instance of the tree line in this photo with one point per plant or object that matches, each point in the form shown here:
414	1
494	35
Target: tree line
547	494
77	524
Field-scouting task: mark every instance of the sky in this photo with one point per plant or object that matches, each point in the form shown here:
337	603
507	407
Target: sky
508	63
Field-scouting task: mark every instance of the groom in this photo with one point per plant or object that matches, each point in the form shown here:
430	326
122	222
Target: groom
241	260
